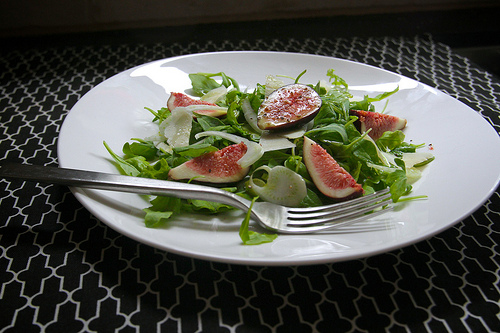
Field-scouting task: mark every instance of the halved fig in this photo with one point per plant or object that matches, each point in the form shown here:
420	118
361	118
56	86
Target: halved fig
287	106
378	122
328	176
182	100
216	167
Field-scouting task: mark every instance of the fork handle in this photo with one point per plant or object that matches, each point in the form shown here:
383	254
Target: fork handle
120	183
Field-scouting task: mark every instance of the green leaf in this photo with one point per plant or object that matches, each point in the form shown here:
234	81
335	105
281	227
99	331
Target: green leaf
271	158
166	203
295	163
126	167
331	132
366	151
159	170
138	162
256	238
195	150
335	108
160	115
257	97
155	218
366	103
249	237
161	210
300	75
209	207
311	200
202	83
390	140
208	123
142	148
335	79
397	181
398	186
232	114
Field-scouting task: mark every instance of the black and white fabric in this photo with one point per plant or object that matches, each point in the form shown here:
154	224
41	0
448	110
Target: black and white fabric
62	270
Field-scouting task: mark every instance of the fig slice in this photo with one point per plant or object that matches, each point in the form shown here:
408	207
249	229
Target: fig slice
287	106
199	106
215	167
377	122
328	176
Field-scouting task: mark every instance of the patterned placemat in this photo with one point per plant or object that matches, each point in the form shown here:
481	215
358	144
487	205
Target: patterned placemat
62	270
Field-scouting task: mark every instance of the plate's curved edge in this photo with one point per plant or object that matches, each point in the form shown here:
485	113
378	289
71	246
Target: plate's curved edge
304	261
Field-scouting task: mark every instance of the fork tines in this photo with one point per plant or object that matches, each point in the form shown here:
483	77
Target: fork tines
338	212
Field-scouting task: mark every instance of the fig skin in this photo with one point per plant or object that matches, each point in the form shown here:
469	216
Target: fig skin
377	122
215	167
288	106
177	99
329	177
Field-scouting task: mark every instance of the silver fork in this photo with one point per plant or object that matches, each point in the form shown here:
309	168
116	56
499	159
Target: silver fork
270	216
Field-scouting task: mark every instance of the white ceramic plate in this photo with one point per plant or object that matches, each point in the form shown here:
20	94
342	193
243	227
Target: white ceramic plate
465	173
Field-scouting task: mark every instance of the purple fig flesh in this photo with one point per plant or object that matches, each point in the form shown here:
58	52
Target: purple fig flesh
216	167
288	106
328	176
377	122
182	100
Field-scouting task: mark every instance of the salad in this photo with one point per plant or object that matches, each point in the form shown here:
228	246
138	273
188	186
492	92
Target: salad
286	142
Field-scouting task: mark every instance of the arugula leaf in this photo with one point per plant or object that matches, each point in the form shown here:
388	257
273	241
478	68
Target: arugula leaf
300	75
331	132
154	218
140	148
139	162
249	237
209	207
167	203
203	82
257	96
195	150
233	113
159	170
160	115
366	151
366	103
311	200
296	164
406	148
390	140
271	158
208	123
162	209
126	167
335	108
397	184
336	80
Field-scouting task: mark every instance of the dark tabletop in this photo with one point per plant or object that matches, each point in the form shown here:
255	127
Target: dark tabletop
62	270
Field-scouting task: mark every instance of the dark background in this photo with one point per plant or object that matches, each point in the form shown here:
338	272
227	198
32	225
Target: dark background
470	28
